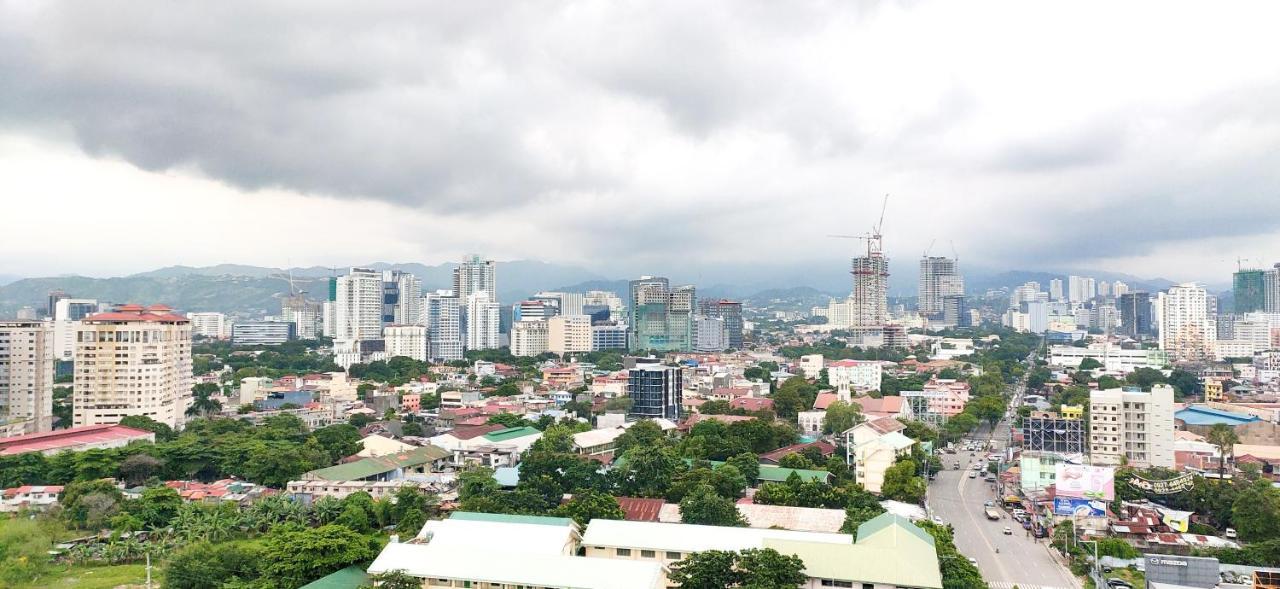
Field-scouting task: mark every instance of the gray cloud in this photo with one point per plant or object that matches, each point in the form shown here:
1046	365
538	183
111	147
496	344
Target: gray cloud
737	130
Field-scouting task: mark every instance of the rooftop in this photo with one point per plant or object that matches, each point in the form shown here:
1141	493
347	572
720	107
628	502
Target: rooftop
692	538
511	433
510	519
352	577
368	467
576	572
1201	415
70	437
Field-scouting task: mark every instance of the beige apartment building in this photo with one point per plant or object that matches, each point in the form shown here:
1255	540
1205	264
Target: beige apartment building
569	334
134	360
1131	427
26	377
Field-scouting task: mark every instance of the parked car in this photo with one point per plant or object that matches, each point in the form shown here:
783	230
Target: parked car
973	474
973	561
1230	533
1008	531
938	520
1116	583
989	503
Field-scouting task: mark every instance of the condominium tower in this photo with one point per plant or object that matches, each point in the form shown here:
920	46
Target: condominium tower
132	361
1187	330
661	316
1132	427
939	278
26	376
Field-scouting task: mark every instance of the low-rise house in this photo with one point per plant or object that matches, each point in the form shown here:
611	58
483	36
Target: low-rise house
391	467
823	447
872	447
75	439
309	491
378	445
33	497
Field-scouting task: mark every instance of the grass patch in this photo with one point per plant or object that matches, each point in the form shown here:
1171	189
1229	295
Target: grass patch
94	577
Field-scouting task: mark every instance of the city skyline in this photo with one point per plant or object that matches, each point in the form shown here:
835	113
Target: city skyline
542	151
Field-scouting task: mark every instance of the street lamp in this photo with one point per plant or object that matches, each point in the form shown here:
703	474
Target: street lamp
1096	575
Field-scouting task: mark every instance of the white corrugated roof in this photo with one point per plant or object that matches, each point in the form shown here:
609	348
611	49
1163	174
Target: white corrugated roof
597	437
502	537
496	566
692	538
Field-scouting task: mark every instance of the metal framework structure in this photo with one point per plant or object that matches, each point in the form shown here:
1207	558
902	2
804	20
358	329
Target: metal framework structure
1050	433
919	402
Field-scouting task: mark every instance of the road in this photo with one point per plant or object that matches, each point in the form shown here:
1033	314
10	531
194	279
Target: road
1022	561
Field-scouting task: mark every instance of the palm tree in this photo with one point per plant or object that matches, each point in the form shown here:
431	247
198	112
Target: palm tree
202	404
1225	439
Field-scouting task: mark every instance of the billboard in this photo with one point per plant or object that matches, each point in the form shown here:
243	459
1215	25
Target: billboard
1085	482
1077	507
1184	571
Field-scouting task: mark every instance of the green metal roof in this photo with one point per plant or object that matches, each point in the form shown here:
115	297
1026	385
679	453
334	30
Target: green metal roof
884	529
912	565
778	474
511	519
510	433
351	577
369	467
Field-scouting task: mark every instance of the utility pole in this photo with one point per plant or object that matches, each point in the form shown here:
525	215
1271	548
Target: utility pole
148	570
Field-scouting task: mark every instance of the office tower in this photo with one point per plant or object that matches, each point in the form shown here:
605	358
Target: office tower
262	333
656	391
1248	287
569	334
1055	289
474	275
530	337
329	309
134	360
609	336
617	309
1104	318
566	303
1090	288
955	311
26	375
1131	427
1119	288
67	313
480	322
1135	314
661	316
409	341
710	334
870	289
52	304
209	324
731	312
1104	289
1187	331
401	298
1271	290
939	278
306	316
1029	291
534	310
442	315
358	306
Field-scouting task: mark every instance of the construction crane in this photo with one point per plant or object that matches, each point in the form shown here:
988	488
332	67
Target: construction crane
930	248
874	239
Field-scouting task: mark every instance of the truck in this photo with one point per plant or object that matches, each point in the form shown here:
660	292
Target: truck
992	514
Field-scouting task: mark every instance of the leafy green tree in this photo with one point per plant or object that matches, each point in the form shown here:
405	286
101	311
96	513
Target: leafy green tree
202	401
1090	364
708	569
795	460
90	504
957	571
1185	383
293	557
747	463
902	484
622	403
396	579
753	568
1145	378
703	506
1256	511
476	482
841	416
645	432
856	516
136	469
508	420
989	408
1223	437
765	568
212	566
339	440
163	432
158	506
588	505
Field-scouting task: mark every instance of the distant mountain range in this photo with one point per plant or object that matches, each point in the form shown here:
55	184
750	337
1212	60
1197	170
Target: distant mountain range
255	290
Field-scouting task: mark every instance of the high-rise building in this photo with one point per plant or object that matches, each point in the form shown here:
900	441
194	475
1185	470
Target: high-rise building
358	305
710	334
409	341
1131	427
52	305
939	278
955	310
475	275
401	298
1055	289
1249	289
533	310
569	334
609	336
656	391
1104	289
67	313
480	322
598	298
1119	288
26	375
661	316
1187	331
731	312
262	333
442	315
1135	314
530	337
208	324
134	360
870	289
566	303
306	316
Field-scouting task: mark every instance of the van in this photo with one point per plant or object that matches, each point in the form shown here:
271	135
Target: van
1230	533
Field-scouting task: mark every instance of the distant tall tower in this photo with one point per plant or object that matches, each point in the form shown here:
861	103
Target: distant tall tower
358	305
1187	331
1249	288
939	278
870	289
474	275
1055	289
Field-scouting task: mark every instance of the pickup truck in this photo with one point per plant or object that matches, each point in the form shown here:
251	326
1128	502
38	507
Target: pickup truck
991	513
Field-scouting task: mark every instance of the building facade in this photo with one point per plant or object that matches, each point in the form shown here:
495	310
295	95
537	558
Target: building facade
611	336
474	275
262	333
442	315
869	297
569	334
409	341
208	324
1135	314
661	316
1131	427
655	391
857	375
530	337
731	313
26	375
1249	290
480	322
1187	330
358	305
134	360
939	278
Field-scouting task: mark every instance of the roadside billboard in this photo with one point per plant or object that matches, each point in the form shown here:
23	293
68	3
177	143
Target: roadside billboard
1085	482
1077	507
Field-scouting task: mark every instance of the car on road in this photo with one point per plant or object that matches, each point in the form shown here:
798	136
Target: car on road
1117	583
956	465
988	503
973	474
938	520
1008	531
977	466
973	561
991	513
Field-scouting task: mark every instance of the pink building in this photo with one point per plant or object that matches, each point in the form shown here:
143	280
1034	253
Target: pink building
946	396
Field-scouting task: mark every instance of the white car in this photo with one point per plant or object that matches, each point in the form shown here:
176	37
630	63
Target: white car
938	520
973	474
1230	533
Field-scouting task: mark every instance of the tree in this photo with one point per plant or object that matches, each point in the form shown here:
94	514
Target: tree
508	420
210	566
704	506
622	404
708	569
396	579
90	504
163	432
957	571
202	402
1223	437
990	408
158	506
645	432
1090	364
646	472
841	416
1256	511
476	482
293	557
1145	378
902	484
339	440
795	460
747	463
752	568
136	469
856	516
767	568
412	429
588	505
1184	383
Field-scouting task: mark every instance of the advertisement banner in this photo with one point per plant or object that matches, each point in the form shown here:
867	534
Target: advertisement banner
1077	507
1178	521
1176	484
1085	482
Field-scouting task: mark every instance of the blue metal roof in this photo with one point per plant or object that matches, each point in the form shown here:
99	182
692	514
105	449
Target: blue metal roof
1197	415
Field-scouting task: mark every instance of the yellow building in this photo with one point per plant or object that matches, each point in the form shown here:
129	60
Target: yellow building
1072	411
1213	390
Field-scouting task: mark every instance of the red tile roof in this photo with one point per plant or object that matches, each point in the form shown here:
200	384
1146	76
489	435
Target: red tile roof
824	400
751	403
886	405
827	449
69	438
138	313
475	431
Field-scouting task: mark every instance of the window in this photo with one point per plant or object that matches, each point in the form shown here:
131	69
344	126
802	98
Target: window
624	551
648	554
673	555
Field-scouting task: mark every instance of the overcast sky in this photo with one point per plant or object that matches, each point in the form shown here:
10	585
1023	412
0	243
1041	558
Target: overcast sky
1140	137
